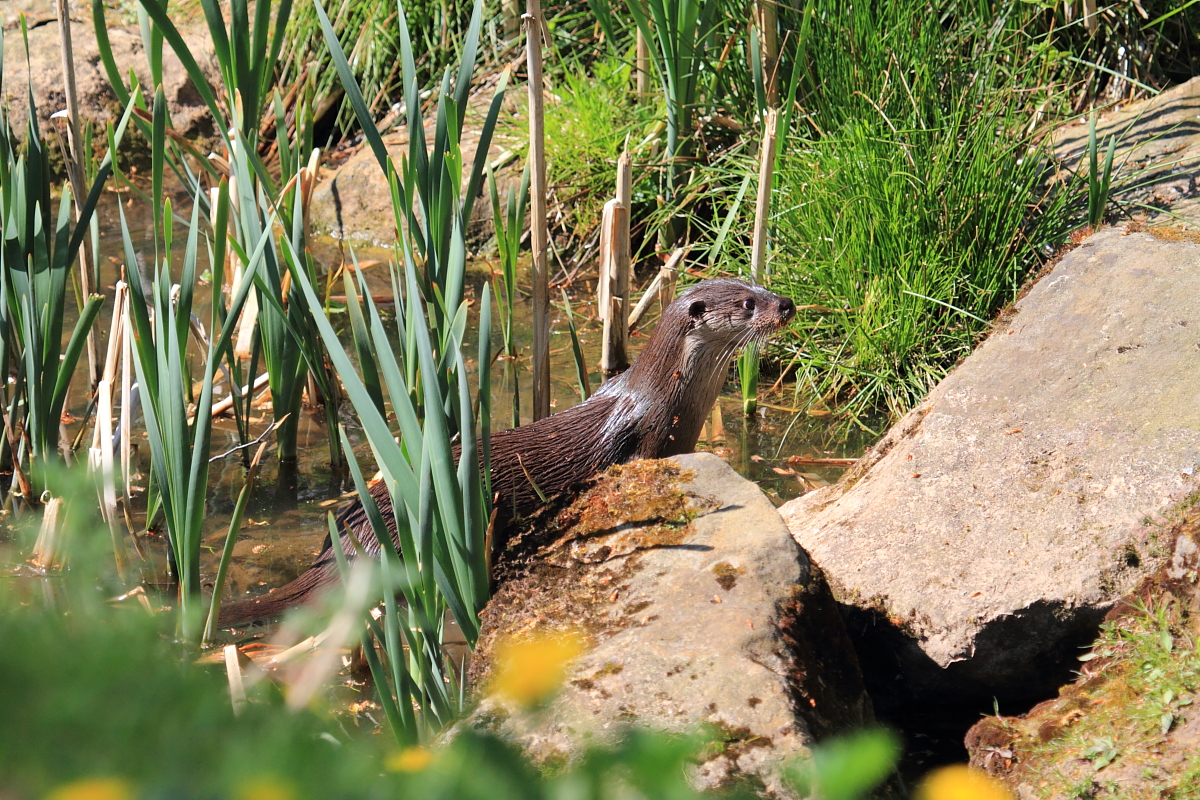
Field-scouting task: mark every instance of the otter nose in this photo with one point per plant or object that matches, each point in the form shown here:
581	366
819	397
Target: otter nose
786	307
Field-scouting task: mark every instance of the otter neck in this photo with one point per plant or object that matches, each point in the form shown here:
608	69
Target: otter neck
675	381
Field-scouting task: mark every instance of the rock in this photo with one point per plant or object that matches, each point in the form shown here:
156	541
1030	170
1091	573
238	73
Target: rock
718	621
988	533
352	201
97	103
1158	141
1128	720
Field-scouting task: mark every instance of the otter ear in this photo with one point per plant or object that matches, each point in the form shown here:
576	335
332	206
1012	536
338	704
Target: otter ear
697	308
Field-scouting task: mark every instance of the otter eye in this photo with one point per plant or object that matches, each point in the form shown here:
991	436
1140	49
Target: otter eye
697	308
748	304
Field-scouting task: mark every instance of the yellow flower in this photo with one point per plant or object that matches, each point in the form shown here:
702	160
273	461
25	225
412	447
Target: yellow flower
529	672
266	787
93	789
410	759
961	782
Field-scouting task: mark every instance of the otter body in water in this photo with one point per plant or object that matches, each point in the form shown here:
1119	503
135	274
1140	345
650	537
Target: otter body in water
655	409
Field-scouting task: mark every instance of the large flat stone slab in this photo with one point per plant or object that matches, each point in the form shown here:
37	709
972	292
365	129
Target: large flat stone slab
720	621
985	537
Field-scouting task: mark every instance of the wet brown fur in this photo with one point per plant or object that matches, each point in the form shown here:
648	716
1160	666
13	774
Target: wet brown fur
655	409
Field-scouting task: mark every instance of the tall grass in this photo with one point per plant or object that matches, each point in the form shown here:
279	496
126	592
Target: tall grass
681	32
369	34
911	209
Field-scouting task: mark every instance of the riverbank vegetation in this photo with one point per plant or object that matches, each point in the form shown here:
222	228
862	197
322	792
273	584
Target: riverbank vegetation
914	190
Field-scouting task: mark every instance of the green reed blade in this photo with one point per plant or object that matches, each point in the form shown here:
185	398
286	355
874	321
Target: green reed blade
353	93
362	340
581	371
485	389
387	452
169	32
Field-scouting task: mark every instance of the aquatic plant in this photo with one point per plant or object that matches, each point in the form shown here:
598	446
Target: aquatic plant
508	222
681	33
37	251
161	327
368	34
246	52
441	501
1099	179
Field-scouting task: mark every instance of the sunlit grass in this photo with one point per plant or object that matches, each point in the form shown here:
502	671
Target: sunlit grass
910	204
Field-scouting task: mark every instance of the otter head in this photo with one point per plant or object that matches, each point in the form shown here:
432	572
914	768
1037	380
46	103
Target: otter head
688	354
730	313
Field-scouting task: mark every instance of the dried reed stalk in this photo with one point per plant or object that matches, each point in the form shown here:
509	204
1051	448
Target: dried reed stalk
661	288
74	165
642	69
47	550
233	671
762	214
538	223
768	39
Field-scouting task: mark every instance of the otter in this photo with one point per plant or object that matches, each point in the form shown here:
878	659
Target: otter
655	409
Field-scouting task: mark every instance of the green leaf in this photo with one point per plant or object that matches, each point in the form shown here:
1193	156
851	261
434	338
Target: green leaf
848	767
353	93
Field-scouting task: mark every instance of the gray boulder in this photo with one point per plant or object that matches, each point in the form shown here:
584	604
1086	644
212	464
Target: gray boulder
988	533
698	610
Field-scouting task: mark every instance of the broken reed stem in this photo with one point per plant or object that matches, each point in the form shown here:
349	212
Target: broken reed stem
116	333
233	670
47	549
768	38
126	399
661	288
221	406
642	63
717	435
622	256
512	19
762	214
108	493
1091	16
538	223
605	304
614	270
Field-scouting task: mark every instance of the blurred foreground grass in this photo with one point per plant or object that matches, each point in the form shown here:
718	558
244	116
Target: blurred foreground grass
101	701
